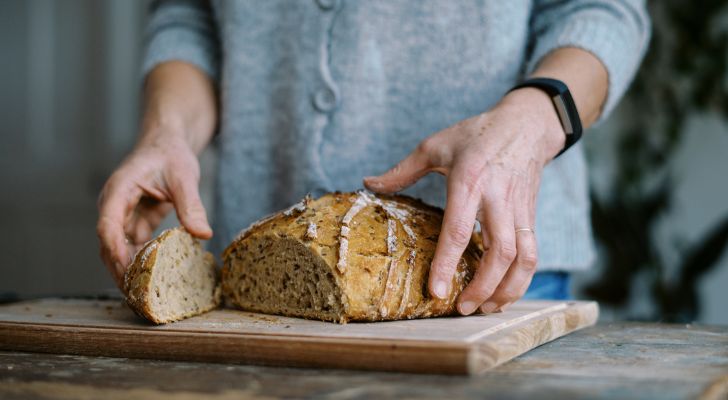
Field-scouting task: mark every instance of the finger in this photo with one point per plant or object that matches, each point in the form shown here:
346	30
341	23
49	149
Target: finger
404	174
519	275
148	216
497	219
455	235
186	198
116	203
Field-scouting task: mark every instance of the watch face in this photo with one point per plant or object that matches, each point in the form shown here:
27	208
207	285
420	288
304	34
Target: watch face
563	115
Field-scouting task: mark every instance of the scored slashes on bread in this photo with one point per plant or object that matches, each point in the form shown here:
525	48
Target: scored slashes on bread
172	278
343	257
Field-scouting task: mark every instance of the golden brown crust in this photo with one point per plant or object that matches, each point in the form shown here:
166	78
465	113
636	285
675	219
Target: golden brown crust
138	278
379	248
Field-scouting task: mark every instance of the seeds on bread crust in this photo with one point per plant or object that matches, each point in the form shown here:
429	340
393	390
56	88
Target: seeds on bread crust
368	260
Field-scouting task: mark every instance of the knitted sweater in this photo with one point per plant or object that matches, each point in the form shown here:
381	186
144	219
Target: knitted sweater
316	94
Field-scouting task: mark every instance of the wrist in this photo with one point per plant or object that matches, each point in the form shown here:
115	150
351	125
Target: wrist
165	136
180	104
169	133
537	107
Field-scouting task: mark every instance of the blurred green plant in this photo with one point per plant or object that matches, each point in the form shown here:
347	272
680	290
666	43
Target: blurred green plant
684	72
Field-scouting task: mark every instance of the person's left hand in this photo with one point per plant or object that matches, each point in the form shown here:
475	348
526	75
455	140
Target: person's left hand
493	164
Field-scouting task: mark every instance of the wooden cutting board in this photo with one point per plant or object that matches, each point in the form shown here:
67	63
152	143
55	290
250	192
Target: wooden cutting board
455	345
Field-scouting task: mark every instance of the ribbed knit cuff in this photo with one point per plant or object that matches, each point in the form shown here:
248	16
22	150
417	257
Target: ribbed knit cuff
619	47
183	31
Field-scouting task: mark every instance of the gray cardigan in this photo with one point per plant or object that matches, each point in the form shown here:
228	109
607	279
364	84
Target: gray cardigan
316	94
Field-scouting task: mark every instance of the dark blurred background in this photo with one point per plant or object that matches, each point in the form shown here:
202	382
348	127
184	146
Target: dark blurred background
69	109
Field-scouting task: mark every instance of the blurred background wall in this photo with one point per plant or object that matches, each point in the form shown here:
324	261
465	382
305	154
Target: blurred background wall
69	110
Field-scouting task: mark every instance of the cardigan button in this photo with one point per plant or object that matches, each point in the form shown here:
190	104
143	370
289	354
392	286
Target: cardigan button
325	100
326	4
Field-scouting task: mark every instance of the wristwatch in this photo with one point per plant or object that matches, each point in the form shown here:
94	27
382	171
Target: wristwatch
564	104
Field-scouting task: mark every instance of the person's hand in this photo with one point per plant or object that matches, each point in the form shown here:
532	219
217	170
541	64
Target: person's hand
493	163
161	173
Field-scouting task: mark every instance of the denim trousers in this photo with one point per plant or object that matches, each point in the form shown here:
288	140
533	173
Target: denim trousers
549	285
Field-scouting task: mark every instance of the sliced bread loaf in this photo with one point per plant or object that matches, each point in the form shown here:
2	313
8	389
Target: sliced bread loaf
172	278
343	257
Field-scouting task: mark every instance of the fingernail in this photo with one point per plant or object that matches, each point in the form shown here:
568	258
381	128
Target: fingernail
488	307
439	289
467	307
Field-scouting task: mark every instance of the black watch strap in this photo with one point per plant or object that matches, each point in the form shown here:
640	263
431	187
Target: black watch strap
564	105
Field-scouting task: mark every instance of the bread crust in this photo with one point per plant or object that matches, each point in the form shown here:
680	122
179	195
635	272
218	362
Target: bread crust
378	248
138	278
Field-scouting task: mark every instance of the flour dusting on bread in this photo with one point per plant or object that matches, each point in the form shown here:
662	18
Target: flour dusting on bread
342	257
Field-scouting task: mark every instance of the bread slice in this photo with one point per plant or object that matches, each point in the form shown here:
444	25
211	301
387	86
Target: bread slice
343	257
172	278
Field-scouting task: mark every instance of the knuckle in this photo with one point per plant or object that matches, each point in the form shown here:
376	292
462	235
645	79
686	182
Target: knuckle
193	170
427	145
471	176
459	232
504	249
433	152
178	183
528	260
183	170
468	180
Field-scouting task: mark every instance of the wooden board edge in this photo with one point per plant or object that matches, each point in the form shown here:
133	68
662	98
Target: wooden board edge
514	341
716	390
362	354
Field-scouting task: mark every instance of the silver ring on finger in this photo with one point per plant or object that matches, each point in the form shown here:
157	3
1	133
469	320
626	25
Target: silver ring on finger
525	230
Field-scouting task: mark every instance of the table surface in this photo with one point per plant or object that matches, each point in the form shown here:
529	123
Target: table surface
618	360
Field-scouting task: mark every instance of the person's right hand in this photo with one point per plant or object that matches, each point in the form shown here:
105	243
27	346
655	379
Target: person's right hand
158	175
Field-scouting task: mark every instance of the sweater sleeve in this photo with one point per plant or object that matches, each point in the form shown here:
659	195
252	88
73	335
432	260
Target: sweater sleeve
182	30
617	32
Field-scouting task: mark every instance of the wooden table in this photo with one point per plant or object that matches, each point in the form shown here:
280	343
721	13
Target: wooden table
623	360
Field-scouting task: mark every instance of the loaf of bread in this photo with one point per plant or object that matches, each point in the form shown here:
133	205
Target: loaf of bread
343	257
172	278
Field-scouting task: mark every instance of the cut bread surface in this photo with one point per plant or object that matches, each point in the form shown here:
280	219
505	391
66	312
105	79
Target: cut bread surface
172	278
281	276
342	257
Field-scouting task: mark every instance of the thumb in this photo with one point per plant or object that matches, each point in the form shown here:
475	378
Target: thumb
187	202
404	174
